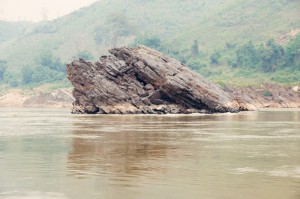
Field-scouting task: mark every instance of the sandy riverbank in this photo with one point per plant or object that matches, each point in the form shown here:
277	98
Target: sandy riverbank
13	98
19	98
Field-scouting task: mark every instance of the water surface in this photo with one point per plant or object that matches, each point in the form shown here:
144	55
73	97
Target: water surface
49	153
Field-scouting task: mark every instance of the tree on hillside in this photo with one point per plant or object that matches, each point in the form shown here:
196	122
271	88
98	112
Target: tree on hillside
120	26
215	58
2	69
26	73
195	49
40	74
100	35
267	57
247	55
292	58
11	79
230	46
151	42
47	59
272	56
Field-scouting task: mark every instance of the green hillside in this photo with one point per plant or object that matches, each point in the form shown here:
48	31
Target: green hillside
30	51
13	30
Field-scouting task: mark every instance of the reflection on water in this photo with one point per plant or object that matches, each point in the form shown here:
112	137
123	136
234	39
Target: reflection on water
126	144
48	153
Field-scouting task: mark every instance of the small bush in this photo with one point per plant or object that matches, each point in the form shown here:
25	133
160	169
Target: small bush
267	93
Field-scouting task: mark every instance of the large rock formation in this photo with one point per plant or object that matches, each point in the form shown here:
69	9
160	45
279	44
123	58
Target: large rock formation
142	80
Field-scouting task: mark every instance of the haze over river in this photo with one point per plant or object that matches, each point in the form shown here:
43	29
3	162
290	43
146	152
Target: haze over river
49	153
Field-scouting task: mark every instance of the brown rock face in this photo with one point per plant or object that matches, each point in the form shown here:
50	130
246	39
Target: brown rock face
143	81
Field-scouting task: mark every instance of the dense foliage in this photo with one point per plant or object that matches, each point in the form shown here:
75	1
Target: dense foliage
267	57
270	56
270	61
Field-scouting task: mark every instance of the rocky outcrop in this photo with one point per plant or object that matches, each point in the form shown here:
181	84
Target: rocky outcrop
266	96
142	80
56	98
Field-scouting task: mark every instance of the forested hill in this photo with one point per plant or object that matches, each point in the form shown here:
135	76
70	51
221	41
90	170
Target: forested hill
200	33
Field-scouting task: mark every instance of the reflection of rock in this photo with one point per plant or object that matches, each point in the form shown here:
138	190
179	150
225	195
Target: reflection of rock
57	98
142	80
125	145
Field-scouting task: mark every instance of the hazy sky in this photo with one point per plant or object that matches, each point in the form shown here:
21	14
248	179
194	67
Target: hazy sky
36	10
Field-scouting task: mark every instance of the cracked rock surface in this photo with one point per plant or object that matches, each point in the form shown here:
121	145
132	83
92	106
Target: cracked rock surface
143	81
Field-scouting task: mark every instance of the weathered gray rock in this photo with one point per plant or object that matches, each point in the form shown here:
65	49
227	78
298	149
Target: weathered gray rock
143	81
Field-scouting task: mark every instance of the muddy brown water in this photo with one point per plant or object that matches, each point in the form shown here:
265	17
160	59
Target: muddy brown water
49	153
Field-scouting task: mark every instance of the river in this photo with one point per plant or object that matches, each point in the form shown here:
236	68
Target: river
49	153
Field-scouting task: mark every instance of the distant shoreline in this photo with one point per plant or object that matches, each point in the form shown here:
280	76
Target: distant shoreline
266	96
61	98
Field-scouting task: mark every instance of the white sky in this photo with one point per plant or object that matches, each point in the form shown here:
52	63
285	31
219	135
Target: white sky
37	10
